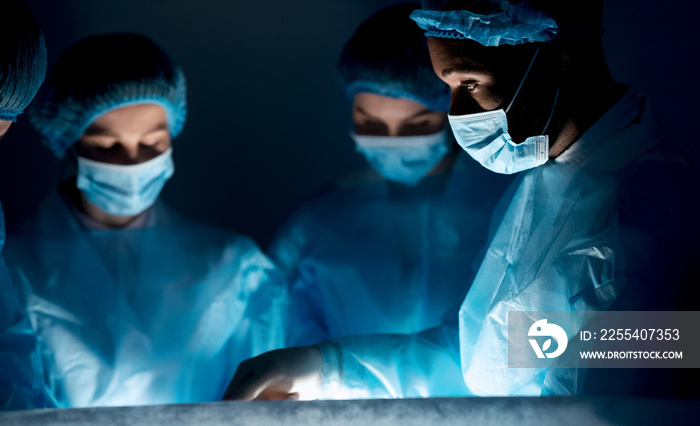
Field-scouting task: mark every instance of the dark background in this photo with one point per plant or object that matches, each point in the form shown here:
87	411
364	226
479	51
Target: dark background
267	125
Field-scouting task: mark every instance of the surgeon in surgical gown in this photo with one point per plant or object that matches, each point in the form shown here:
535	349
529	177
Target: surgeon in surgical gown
392	248
132	303
601	215
22	69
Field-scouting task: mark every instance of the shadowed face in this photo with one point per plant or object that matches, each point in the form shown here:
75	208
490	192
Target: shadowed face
487	78
127	135
377	115
4	125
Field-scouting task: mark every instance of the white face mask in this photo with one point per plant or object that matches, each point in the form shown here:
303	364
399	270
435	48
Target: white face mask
404	159
484	136
124	190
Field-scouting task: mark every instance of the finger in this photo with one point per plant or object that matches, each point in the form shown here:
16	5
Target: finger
242	374
273	394
257	383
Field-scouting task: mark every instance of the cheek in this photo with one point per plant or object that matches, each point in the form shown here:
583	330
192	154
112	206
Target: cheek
163	144
370	128
146	152
436	123
490	98
4	126
89	151
440	120
480	100
356	121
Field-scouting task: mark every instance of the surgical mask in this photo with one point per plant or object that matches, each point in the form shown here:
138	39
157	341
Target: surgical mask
484	136
404	159
124	190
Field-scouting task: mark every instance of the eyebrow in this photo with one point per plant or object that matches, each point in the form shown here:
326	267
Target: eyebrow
359	109
418	114
465	66
95	130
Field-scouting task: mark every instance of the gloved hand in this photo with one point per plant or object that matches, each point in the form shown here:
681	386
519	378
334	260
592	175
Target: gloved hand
292	373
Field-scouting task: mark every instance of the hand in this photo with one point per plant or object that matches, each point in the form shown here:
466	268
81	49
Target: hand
292	373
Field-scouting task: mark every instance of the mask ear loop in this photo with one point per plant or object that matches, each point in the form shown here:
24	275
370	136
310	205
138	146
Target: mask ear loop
551	114
523	80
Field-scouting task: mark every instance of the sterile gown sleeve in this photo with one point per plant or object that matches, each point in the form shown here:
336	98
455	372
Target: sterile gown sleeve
154	315
555	250
577	232
20	373
20	364
526	268
305	324
580	231
536	262
424	364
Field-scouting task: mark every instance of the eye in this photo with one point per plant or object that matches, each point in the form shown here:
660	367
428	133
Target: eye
150	143
372	123
110	148
419	125
469	85
371	127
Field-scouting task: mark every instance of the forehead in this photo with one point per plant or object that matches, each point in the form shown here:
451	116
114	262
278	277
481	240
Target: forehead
386	107
450	55
142	118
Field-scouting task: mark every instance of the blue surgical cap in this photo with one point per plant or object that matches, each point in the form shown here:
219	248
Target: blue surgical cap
102	73
23	61
388	56
488	22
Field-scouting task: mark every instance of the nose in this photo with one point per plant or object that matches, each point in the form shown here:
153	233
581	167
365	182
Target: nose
131	150
462	102
393	130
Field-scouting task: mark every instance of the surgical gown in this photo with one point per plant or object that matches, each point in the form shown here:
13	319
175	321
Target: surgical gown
152	315
372	256
608	214
20	366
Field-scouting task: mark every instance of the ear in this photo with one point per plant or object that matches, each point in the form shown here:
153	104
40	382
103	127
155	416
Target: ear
564	60
560	60
68	165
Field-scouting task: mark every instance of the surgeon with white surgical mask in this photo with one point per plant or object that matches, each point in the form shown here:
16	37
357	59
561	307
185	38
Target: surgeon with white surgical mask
131	303
390	248
600	216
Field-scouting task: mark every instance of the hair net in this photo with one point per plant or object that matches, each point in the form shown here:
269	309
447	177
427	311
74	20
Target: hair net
388	56
99	74
23	61
489	22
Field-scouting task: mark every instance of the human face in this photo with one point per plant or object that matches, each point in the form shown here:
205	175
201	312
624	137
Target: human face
377	115
487	78
127	135
4	125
